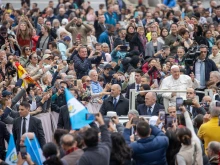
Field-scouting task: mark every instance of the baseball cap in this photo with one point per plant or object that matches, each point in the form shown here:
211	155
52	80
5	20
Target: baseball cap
46	56
6	93
67	38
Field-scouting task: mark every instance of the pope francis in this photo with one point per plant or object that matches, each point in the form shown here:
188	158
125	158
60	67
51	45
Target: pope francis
177	82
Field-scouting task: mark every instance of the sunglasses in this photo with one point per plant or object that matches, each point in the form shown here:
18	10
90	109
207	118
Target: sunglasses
48	58
34	57
27	49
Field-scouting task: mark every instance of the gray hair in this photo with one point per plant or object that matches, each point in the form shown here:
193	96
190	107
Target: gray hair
214	146
154	95
216	74
104	44
214	111
118	86
91	71
133	112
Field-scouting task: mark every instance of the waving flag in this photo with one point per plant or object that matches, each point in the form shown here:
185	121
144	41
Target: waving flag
37	149
11	156
77	111
33	152
22	74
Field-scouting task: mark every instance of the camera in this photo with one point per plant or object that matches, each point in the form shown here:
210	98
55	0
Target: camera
192	54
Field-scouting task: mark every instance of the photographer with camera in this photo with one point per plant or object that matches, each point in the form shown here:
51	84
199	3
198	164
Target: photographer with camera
202	67
193	107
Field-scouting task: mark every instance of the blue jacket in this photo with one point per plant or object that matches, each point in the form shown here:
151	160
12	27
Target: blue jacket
170	3
104	38
150	150
110	19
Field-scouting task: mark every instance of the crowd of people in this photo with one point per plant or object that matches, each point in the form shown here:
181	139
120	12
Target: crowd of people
99	56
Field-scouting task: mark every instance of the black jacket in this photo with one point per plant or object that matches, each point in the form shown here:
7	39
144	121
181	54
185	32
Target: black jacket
58	103
196	111
122	106
209	66
142	109
35	126
4	136
136	42
100	154
99	28
131	86
64	118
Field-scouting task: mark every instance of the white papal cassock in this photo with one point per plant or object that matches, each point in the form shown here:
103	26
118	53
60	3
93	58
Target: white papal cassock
182	83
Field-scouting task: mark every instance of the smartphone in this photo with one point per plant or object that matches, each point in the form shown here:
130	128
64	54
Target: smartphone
168	121
84	85
90	116
135	120
23	152
177	40
123	48
179	102
75	82
162	114
78	37
107	121
217	104
127	44
188	102
96	53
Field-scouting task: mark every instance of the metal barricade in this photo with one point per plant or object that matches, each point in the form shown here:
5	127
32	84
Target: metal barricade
133	93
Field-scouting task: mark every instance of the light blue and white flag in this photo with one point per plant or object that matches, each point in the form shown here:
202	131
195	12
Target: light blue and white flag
32	152
11	156
36	147
77	111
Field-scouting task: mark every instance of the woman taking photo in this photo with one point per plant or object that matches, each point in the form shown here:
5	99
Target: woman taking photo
190	151
24	32
44	39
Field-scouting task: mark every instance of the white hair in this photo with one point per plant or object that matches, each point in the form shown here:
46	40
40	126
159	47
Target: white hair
216	74
91	71
214	111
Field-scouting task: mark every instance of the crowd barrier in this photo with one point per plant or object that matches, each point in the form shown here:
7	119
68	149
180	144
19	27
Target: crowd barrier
50	119
133	93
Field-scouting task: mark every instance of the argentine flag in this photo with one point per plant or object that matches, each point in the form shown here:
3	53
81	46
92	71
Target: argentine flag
77	111
11	156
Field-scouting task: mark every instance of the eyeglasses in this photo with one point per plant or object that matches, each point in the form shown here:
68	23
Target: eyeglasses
27	49
34	57
88	80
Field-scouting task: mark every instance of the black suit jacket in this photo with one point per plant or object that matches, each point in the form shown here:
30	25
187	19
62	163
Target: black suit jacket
142	109
121	108
35	126
131	86
99	28
4	135
64	118
196	111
